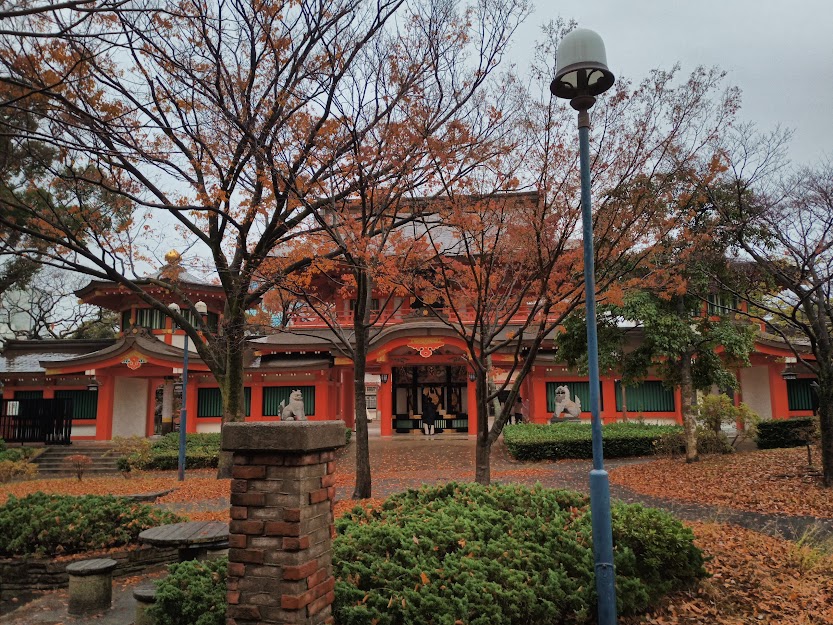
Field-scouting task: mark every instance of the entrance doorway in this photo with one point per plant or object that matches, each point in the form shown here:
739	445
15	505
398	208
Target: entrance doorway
445	383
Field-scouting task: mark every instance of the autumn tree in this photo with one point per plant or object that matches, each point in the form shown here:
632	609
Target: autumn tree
224	121
513	272
781	217
446	119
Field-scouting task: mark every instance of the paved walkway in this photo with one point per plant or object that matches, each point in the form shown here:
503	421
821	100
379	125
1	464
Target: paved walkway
413	460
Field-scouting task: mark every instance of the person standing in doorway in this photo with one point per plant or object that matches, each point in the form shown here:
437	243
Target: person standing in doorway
429	414
517	411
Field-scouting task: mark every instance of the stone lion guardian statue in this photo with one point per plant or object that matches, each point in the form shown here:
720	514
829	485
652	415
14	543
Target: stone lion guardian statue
294	410
563	404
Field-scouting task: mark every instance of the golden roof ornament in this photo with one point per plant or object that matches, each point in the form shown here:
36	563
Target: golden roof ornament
172	257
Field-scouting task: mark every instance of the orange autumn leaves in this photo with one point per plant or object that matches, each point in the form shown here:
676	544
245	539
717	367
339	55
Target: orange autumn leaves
771	481
753	579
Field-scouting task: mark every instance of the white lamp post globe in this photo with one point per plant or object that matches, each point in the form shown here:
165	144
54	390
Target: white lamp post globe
581	66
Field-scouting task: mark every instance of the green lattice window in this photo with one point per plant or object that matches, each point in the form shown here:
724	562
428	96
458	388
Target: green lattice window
84	403
274	395
649	396
800	394
210	402
28	394
577	389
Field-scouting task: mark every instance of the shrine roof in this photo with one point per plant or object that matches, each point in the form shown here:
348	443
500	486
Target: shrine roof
136	341
26	356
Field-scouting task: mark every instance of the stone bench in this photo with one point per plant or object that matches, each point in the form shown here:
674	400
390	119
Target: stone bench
145	596
90	586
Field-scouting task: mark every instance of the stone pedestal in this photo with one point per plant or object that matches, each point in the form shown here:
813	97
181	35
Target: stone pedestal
280	535
145	596
90	586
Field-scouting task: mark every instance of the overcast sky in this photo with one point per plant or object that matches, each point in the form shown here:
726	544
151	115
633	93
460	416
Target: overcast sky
779	53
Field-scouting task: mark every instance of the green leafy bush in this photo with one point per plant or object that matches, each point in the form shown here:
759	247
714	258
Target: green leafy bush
61	524
193	593
202	451
715	411
15	454
787	432
532	441
501	555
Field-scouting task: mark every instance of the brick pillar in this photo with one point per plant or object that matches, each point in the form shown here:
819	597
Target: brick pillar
280	535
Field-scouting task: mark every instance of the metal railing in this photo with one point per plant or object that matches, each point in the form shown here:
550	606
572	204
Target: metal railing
46	421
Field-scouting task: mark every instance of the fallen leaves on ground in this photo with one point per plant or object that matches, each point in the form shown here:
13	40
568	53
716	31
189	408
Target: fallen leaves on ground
772	481
198	485
754	579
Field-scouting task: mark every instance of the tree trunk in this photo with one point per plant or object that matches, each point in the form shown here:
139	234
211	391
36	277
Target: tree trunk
231	386
482	466
624	402
825	393
689	421
363	480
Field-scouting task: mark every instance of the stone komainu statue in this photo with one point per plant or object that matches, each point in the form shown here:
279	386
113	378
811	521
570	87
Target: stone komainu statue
563	404
294	410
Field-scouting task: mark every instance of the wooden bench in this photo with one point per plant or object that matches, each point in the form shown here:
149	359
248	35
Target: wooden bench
90	586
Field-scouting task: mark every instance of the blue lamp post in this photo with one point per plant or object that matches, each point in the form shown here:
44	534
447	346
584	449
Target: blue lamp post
202	308
581	74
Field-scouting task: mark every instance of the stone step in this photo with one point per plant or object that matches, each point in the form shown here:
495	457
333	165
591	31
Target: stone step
52	461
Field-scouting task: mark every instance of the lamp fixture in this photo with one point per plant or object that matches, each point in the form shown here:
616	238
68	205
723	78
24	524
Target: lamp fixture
92	385
383	377
472	376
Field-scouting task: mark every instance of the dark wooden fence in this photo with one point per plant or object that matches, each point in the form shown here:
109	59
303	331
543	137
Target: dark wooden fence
36	421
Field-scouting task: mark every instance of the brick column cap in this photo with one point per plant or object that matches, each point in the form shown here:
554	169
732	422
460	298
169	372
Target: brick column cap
284	436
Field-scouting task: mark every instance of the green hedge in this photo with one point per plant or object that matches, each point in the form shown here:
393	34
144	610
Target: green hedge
786	432
532	441
61	524
499	555
202	451
193	593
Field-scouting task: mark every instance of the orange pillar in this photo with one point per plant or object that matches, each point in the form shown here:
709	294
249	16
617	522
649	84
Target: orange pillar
678	404
191	407
609	414
104	415
538	402
257	402
151	411
49	392
472	399
384	404
347	398
778	392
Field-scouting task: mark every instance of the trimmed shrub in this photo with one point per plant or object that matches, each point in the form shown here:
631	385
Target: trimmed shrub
708	442
15	454
193	593
532	441
61	524
10	469
202	451
787	432
499	555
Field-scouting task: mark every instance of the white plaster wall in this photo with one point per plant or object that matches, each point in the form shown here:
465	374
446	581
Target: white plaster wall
178	340
83	430
208	428
754	386
130	407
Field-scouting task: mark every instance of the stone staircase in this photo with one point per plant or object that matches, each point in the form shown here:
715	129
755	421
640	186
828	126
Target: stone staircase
51	463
